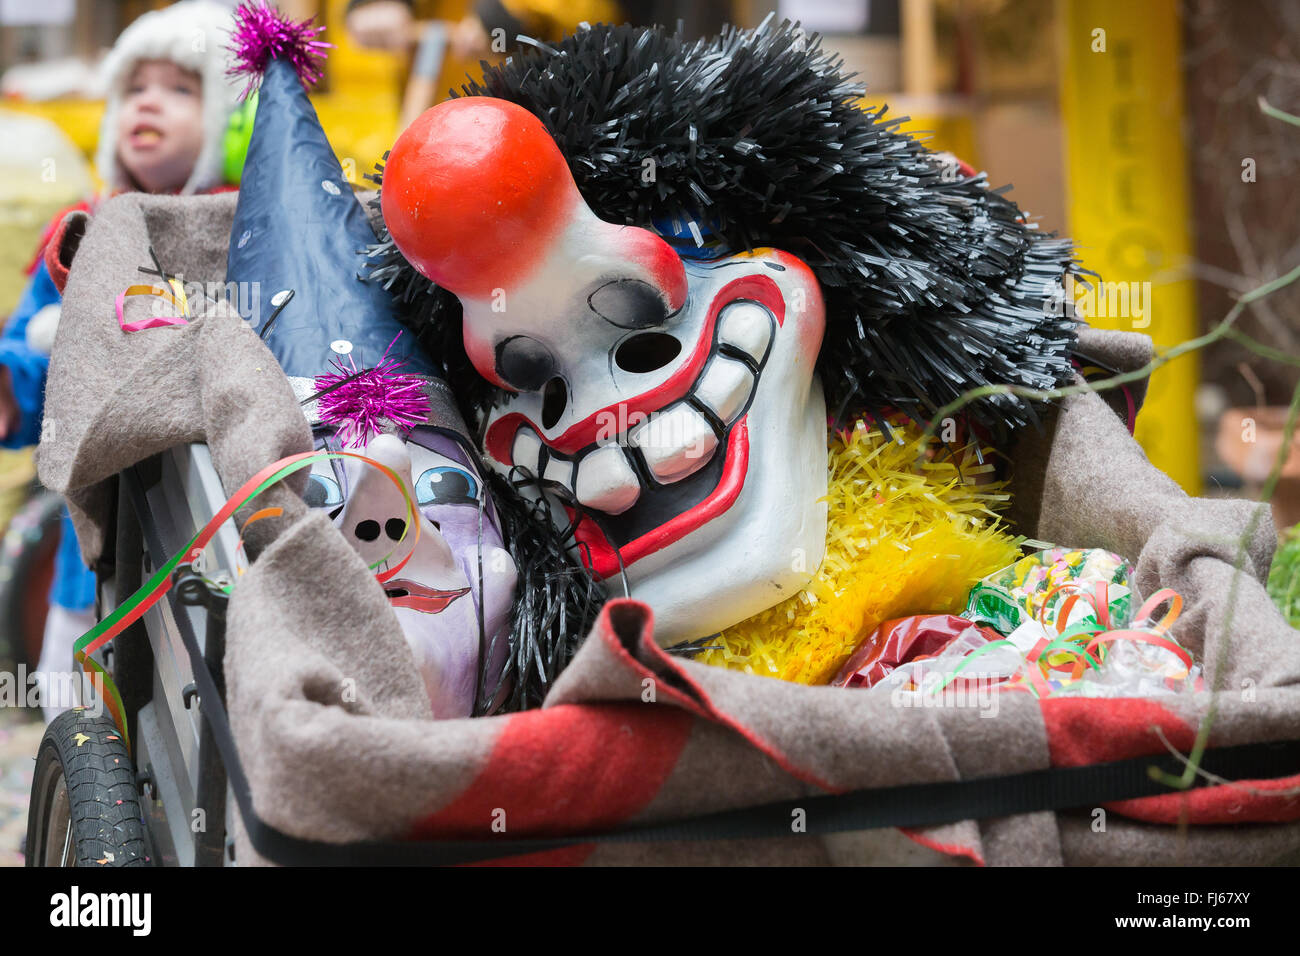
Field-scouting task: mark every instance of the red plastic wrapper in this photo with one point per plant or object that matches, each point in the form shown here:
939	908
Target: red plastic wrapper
901	641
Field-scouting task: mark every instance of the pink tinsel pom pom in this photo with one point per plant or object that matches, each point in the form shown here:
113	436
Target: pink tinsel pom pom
360	407
262	34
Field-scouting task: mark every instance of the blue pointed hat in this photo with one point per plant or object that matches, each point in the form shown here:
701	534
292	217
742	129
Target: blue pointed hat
299	232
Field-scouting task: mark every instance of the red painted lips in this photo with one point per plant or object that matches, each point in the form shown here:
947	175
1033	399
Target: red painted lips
603	558
426	600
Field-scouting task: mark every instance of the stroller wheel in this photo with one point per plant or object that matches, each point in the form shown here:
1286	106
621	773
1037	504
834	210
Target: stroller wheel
26	569
85	810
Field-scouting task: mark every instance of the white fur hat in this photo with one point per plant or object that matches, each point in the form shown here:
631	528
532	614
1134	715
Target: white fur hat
192	34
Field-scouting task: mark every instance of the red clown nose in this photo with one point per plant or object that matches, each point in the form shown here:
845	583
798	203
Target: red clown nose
475	193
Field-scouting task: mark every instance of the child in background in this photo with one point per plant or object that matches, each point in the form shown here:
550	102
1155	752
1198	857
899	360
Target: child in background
169	103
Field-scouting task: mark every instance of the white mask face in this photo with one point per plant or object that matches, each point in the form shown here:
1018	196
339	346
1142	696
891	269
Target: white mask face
670	403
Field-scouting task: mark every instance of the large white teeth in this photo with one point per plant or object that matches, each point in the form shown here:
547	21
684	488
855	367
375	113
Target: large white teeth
676	442
725	387
606	481
526	451
560	471
746	325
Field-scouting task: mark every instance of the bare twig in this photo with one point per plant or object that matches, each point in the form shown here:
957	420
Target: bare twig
1276	113
1214	777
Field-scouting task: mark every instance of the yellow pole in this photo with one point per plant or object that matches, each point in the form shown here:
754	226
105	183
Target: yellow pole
1127	181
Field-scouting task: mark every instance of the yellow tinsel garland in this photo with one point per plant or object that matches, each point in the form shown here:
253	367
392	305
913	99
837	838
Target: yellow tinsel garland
900	540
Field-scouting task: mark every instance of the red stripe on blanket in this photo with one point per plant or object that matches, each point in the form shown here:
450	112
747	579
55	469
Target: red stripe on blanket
1081	732
951	849
562	770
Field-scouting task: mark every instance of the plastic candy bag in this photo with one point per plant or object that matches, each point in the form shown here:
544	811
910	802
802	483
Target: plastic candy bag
1036	586
902	641
1062	624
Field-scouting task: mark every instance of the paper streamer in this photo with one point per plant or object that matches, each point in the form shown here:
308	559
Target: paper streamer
176	296
1051	665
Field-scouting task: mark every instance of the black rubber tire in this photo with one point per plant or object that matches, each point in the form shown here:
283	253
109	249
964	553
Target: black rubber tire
26	569
85	809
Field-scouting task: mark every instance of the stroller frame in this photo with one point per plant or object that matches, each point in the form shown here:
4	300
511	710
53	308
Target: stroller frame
180	771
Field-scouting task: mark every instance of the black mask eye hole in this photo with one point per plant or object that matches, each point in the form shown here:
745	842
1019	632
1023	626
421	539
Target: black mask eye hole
524	363
647	352
554	400
629	304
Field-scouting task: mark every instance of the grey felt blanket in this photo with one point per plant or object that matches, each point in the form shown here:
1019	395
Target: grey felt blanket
338	767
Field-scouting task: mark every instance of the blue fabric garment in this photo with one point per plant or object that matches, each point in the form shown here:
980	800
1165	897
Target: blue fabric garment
74	583
27	367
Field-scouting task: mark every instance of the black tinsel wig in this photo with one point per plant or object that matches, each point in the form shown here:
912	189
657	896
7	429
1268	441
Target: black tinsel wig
934	283
557	600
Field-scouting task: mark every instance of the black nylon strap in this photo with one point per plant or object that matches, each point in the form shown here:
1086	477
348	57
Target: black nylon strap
908	806
915	805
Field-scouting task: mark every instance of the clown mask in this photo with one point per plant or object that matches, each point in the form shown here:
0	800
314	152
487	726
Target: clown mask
666	407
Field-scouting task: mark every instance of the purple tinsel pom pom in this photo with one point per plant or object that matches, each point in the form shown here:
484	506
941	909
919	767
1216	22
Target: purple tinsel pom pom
262	34
360	406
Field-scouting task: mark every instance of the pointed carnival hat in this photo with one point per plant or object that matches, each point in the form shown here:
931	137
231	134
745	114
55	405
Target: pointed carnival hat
298	238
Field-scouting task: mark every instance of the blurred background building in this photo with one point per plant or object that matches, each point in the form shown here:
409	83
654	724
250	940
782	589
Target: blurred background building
1134	127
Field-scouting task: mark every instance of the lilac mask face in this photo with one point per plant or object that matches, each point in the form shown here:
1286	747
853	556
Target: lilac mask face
453	595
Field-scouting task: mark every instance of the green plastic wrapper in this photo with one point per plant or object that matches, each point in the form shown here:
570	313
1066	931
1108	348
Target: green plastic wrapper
1018	593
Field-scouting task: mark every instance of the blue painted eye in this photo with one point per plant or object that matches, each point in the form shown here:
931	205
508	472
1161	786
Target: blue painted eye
444	485
322	492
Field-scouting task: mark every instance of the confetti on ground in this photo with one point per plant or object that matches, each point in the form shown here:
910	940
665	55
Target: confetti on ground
20	736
